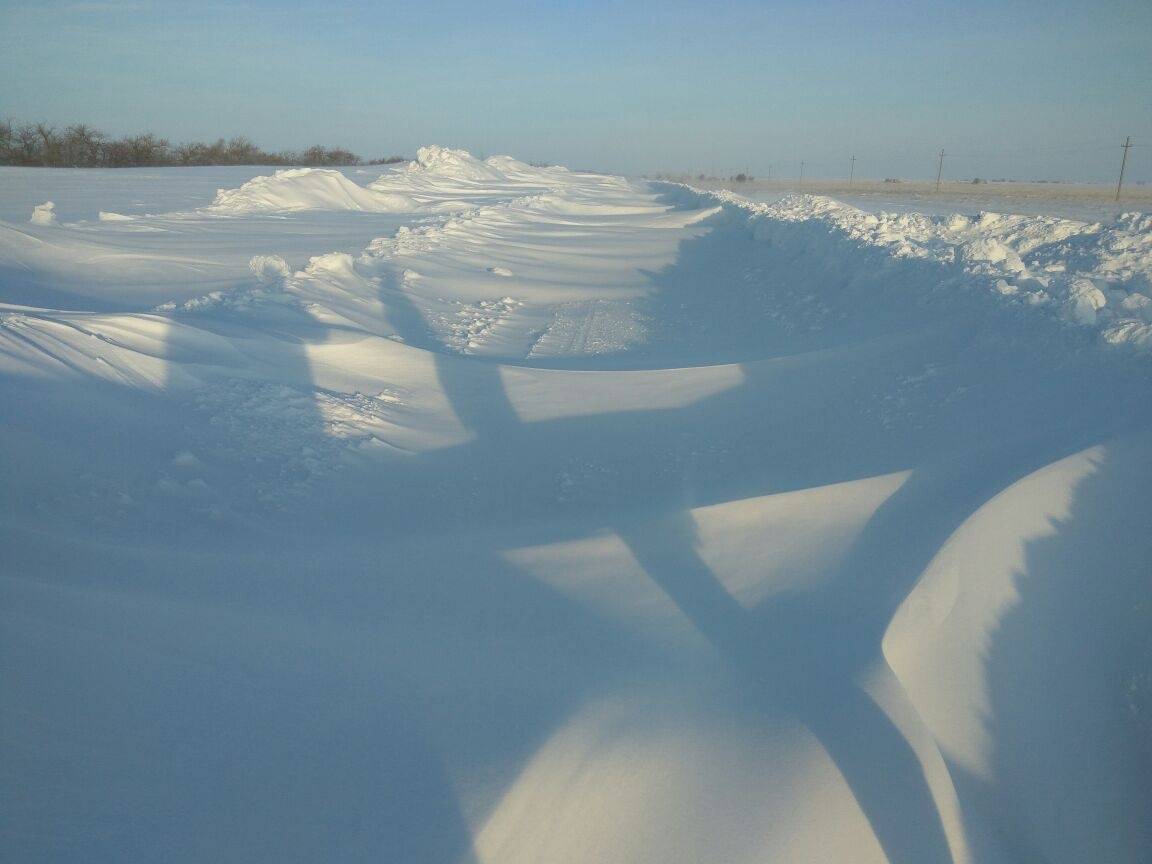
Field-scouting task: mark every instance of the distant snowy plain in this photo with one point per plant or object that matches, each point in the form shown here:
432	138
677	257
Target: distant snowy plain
479	512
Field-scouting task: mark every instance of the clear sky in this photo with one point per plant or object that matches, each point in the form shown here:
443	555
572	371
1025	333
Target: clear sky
1031	89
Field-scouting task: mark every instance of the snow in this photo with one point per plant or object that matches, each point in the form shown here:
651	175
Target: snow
82	194
457	164
305	189
481	512
43	214
439	179
1065	258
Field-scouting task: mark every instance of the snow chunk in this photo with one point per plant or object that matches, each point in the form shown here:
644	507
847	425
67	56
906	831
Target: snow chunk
1084	301
1134	333
44	214
991	251
1138	306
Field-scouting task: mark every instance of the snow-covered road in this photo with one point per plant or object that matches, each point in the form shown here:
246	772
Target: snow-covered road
491	513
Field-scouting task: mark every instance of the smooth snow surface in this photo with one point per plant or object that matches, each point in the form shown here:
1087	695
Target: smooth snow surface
484	513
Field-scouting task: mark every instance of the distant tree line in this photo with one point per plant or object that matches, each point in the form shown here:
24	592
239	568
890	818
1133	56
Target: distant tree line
81	146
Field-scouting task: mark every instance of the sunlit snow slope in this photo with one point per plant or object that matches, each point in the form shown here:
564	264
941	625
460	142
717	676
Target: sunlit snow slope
482	513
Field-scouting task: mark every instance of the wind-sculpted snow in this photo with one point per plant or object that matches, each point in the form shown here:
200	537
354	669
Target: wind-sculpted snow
503	514
440	179
453	164
306	189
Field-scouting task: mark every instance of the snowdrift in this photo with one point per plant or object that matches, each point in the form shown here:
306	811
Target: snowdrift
439	179
559	517
453	165
305	189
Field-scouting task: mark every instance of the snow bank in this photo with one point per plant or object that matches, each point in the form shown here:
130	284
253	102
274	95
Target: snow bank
1088	274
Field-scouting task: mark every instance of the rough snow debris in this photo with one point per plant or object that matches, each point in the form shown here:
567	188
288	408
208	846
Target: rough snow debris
44	214
269	269
472	324
1137	305
1084	301
272	276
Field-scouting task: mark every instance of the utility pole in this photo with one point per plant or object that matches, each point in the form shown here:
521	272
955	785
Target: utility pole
851	171
940	169
801	175
1123	162
769	172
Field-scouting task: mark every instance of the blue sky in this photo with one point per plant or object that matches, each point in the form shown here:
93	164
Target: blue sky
1022	89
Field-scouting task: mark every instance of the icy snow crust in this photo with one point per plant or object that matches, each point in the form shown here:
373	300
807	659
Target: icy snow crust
489	513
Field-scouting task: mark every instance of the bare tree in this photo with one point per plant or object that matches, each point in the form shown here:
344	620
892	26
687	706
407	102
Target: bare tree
82	146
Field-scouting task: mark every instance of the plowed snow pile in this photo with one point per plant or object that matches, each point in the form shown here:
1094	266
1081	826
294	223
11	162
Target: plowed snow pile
494	513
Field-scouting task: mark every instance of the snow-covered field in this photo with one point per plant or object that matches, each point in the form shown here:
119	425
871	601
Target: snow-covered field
477	512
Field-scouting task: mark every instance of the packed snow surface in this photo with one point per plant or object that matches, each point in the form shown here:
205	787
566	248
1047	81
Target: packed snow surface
474	511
